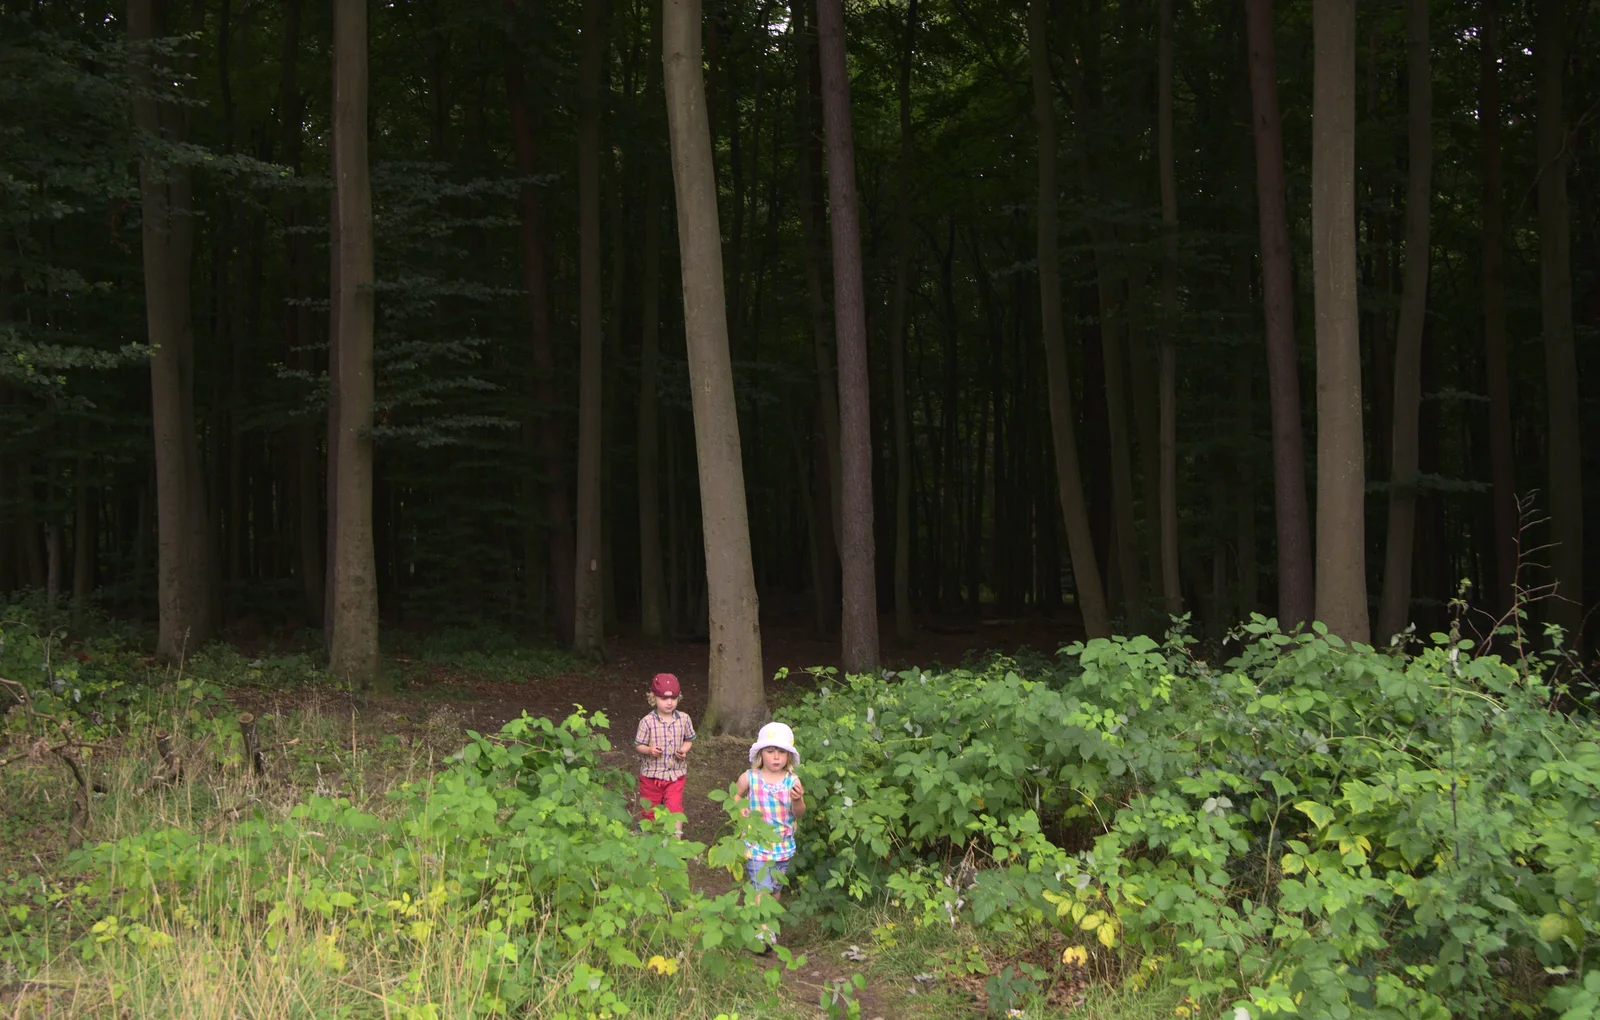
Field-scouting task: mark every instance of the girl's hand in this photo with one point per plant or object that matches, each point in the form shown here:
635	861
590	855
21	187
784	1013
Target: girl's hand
798	790
744	812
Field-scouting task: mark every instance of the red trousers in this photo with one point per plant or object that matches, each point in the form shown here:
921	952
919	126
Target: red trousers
667	792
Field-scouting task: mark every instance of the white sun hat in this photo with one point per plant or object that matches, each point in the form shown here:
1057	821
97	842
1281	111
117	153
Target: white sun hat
774	734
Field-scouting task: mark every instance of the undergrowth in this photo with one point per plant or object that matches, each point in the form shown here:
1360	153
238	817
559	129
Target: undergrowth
1305	829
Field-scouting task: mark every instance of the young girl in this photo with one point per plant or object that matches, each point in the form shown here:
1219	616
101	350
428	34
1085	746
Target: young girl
777	794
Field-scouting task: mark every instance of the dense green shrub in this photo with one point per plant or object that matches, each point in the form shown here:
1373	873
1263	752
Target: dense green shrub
1311	828
525	846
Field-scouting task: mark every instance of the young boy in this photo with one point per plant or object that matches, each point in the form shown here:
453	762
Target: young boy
663	740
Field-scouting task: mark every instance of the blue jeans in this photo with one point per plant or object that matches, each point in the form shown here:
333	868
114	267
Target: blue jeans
763	875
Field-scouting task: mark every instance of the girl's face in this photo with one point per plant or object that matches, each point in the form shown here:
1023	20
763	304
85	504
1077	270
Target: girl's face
774	759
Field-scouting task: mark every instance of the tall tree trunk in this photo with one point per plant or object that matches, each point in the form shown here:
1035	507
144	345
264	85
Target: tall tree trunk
185	596
1565	480
652	586
859	622
1244	456
897	345
738	701
1395	610
560	556
1341	475
652	579
1085	571
1293	513
353	650
297	328
1115	338
1170	585
1502	474
588	637
813	215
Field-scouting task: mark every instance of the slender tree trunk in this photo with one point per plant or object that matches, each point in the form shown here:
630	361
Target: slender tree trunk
1555	300
897	345
813	215
1341	475
859	623
1144	397
297	329
1395	610
353	650
185	597
1503	495
1115	338
560	556
1085	571
84	547
1244	457
1168	378
589	602
1295	591
652	585
738	701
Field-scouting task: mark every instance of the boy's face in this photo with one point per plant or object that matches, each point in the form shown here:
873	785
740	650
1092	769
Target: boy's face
666	704
774	759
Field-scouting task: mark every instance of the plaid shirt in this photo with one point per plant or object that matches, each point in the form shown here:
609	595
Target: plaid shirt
771	802
669	735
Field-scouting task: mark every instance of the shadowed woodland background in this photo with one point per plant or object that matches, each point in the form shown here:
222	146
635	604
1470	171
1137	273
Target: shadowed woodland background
1472	362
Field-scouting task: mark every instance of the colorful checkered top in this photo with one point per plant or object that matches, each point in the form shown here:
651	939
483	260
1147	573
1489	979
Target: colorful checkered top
669	735
771	800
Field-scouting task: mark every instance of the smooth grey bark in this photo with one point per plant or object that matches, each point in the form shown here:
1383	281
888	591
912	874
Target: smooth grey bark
737	702
1341	471
185	595
858	560
353	648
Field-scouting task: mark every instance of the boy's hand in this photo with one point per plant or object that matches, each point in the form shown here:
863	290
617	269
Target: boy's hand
655	752
683	752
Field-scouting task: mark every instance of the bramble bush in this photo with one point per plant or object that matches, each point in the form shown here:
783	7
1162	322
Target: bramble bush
1311	829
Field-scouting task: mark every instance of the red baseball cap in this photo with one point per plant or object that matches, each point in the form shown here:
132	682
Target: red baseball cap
665	685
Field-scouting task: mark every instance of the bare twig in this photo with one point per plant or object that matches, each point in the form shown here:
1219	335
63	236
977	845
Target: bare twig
78	820
252	744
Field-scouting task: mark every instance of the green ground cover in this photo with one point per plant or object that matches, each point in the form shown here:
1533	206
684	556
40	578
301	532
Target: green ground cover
1128	831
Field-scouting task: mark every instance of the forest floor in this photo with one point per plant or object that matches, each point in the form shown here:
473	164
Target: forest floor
489	698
